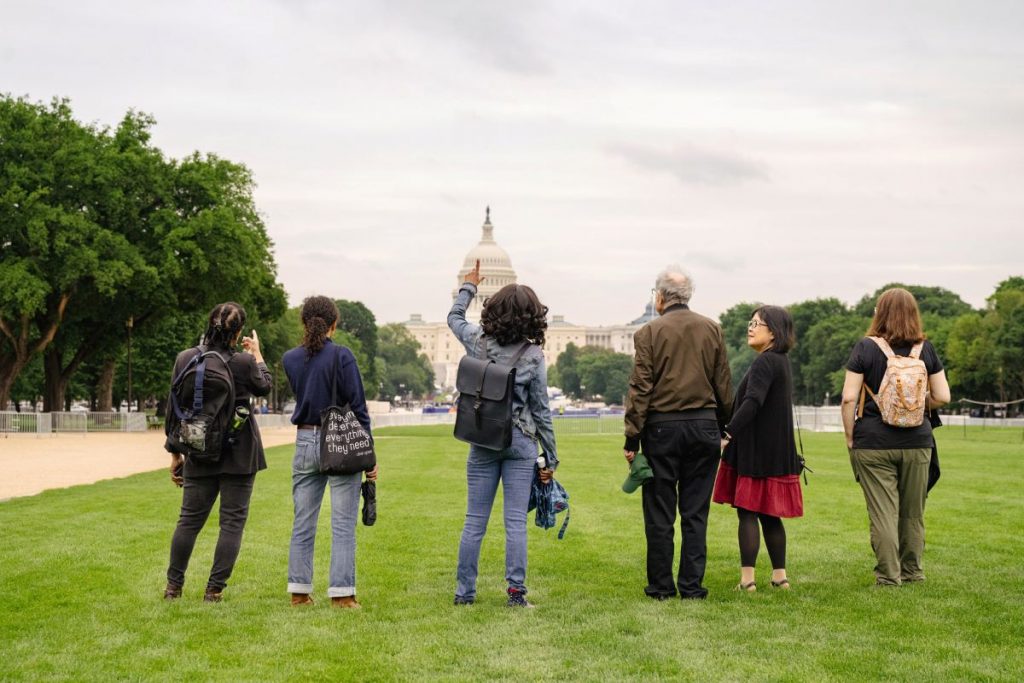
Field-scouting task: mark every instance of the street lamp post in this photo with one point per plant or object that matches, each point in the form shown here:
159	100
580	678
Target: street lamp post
131	323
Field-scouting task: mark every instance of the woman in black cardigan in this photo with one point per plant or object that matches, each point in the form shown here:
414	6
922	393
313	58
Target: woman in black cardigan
759	475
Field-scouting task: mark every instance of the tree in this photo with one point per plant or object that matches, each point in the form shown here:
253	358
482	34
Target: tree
936	300
356	319
114	232
972	358
567	370
404	370
829	341
808	389
605	373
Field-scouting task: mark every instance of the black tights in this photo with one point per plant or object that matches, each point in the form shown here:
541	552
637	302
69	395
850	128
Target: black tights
750	538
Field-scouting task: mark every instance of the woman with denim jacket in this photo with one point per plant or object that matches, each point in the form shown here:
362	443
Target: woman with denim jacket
511	317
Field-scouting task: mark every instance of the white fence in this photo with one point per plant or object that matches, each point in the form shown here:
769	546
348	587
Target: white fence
56	423
809	418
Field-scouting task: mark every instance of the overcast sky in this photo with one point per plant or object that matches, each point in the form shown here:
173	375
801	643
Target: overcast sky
779	151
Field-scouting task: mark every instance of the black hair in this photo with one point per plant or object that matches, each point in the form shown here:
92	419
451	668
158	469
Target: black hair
513	315
318	314
225	322
780	324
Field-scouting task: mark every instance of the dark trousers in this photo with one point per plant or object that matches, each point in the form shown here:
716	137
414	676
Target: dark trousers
684	456
197	501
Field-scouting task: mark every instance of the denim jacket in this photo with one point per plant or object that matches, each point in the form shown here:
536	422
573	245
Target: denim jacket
530	409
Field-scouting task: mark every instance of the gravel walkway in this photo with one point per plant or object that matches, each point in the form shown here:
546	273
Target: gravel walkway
31	464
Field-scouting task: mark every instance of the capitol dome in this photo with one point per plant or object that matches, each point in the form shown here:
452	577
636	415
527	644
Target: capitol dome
495	267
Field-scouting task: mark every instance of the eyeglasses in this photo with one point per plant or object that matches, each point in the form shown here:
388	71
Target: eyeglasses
753	324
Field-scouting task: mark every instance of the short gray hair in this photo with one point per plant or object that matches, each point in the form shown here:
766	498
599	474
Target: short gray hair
675	285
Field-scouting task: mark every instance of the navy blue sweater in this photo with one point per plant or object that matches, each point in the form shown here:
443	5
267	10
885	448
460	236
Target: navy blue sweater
311	381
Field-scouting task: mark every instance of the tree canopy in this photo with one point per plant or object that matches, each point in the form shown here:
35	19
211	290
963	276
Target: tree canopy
99	228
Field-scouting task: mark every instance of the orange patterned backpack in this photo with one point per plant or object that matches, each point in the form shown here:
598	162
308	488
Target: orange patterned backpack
903	392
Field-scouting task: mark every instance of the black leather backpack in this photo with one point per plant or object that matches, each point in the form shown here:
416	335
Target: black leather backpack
483	414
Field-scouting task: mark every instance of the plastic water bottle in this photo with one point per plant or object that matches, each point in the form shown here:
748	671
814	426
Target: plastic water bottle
542	462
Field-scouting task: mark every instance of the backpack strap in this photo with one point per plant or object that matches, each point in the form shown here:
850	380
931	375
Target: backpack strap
915	352
884	346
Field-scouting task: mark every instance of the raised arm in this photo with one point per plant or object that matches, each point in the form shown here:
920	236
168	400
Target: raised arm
465	331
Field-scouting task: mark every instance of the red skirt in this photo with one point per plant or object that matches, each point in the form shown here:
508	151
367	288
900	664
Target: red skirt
775	496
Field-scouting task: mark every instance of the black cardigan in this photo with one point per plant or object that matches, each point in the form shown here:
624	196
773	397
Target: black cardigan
762	420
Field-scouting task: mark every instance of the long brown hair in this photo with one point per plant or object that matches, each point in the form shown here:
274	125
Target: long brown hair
897	318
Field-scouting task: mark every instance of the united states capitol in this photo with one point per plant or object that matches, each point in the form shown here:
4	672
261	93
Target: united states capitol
444	351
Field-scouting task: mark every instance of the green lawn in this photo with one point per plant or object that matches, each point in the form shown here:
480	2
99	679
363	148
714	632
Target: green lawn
82	574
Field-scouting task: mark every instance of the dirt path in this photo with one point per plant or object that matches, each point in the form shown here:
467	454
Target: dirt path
30	464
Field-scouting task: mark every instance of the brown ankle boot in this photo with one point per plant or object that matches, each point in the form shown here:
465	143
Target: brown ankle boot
212	595
172	592
347	602
301	599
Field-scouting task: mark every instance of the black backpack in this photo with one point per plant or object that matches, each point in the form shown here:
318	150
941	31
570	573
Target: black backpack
202	402
483	414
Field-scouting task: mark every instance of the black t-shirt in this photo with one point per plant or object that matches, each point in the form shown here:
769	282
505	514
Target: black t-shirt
870	432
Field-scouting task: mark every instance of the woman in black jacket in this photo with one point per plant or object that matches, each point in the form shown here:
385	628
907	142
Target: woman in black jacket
233	475
759	475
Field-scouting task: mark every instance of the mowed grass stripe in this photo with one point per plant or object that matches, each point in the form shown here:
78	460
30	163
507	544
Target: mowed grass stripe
83	570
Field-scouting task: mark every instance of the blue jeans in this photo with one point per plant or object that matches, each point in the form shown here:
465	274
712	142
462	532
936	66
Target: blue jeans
308	492
485	467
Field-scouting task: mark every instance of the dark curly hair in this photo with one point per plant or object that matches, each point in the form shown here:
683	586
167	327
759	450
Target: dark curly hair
513	315
318	314
225	322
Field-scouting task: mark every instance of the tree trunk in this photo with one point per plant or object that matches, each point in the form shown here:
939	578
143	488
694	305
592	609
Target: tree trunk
105	387
54	384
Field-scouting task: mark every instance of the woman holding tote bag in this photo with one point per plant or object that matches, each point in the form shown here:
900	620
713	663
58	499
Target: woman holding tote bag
323	374
514	316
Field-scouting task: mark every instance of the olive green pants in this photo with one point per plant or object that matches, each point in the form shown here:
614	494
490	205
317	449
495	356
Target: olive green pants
895	484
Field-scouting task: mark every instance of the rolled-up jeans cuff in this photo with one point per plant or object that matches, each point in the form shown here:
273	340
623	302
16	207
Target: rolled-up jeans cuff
335	592
303	588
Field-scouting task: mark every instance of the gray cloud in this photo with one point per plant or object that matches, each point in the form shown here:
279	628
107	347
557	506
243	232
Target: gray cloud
693	165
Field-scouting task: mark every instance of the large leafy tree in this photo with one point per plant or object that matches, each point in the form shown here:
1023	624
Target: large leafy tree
604	373
359	321
98	228
567	370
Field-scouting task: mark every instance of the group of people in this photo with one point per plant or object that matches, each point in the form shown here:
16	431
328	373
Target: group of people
700	442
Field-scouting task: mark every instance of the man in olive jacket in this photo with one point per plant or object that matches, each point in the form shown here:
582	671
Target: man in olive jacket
680	398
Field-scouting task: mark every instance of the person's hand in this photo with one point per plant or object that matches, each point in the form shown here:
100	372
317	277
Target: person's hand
177	469
473	277
371	475
252	345
545	474
629	456
849	443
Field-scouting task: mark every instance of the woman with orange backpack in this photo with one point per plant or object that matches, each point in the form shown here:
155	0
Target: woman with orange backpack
893	378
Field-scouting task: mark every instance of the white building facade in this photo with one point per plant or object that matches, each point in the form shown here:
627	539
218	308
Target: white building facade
444	351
